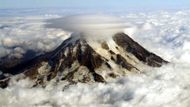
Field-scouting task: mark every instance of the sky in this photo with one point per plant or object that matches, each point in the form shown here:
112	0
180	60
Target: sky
93	4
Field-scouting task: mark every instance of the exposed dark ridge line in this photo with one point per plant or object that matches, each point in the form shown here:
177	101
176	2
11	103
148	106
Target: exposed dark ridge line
59	48
129	45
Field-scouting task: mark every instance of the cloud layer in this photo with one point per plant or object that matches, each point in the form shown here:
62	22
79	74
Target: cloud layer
20	34
95	26
165	33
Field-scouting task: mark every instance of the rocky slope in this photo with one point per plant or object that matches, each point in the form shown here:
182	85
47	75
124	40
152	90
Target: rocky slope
80	60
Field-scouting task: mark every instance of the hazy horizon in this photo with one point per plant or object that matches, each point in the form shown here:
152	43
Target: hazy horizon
94	4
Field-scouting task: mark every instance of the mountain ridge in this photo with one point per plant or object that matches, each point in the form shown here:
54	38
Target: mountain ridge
76	60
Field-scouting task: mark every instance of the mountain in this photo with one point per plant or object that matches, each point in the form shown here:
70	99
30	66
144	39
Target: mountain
79	59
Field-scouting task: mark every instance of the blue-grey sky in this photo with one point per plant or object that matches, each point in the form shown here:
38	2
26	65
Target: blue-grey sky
93	4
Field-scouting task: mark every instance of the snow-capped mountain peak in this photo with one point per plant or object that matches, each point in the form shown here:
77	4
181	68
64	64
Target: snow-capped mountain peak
78	59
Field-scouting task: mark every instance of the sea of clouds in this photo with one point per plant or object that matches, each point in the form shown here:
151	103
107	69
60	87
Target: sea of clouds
20	34
166	33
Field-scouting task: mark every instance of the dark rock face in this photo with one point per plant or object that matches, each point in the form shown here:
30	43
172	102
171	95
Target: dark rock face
81	53
129	45
46	67
105	45
7	62
121	61
76	61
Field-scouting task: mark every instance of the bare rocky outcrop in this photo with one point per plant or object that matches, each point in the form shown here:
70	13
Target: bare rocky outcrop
130	46
76	61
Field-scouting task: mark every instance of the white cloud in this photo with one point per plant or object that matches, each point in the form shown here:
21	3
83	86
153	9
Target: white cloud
28	33
167	86
96	26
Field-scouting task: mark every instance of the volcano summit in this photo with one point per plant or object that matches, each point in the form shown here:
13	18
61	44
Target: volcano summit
86	56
